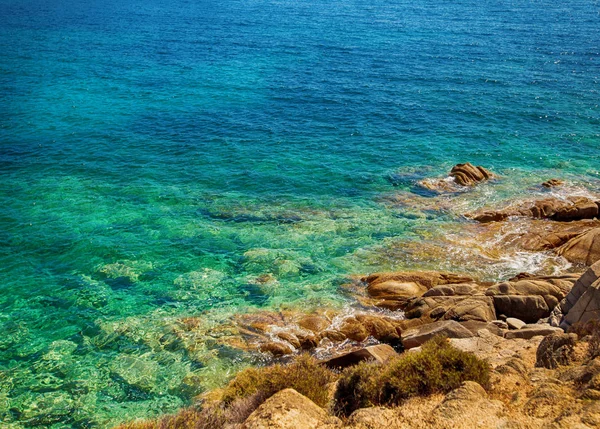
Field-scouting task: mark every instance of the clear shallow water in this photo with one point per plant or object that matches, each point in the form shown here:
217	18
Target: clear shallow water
157	158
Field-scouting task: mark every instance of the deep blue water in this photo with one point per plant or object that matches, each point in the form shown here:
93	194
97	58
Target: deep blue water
157	157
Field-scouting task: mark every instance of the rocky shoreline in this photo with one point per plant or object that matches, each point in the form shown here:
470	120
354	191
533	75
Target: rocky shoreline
524	327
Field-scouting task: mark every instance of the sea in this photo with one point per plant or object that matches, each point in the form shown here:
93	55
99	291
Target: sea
163	160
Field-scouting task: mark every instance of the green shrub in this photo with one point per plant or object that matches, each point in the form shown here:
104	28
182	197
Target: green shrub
437	368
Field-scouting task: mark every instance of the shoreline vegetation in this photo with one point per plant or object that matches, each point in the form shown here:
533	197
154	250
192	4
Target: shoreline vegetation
433	348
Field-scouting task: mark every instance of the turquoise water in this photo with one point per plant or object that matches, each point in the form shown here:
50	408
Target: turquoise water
160	160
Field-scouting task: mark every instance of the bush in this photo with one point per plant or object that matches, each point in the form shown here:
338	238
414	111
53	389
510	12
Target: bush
437	368
304	375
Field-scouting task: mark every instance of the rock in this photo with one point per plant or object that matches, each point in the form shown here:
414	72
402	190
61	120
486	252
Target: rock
475	326
514	323
530	332
289	409
417	336
581	285
393	290
556	349
353	329
290	338
375	418
459	308
469	175
527	308
380	353
468	403
500	324
315	324
586	308
275	348
570	209
583	249
552	183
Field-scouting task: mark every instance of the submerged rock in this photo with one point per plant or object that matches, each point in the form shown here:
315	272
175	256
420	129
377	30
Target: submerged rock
552	183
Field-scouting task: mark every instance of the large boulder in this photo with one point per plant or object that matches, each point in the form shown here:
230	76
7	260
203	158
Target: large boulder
530	331
418	336
583	249
393	290
289	409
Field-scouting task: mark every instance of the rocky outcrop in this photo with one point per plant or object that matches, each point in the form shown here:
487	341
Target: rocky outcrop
570	209
586	308
289	409
393	290
530	299
376	418
583	249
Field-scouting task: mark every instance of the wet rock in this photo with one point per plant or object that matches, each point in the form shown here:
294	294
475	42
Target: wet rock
418	336
315	324
514	323
468	175
570	209
289	409
532	331
556	349
552	183
393	290
275	348
352	329
290	338
380	353
380	328
583	249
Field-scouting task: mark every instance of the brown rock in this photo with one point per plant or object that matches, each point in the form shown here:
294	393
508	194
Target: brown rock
380	328
527	308
583	249
393	290
552	183
586	308
315	324
530	332
290	338
380	353
458	308
289	409
275	348
375	418
353	329
449	328
469	175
